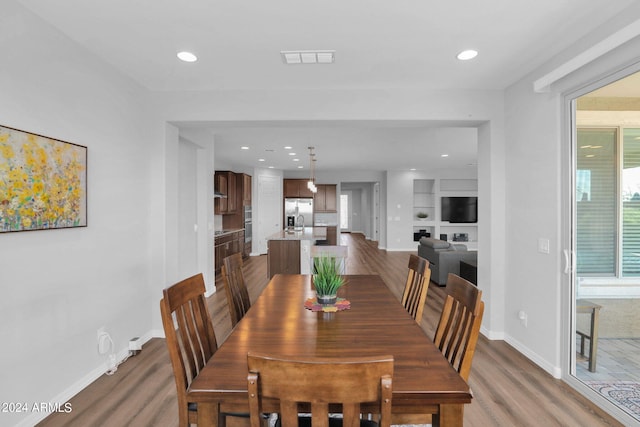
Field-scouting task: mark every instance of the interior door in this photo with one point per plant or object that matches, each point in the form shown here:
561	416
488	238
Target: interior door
187	214
268	209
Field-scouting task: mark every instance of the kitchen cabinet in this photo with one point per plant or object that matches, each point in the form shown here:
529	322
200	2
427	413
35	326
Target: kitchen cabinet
332	235
246	189
325	199
227	244
225	182
283	256
296	188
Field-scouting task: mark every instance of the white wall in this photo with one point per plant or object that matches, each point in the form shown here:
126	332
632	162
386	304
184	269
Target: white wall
60	286
536	199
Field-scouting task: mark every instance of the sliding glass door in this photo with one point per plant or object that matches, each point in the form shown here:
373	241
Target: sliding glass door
605	227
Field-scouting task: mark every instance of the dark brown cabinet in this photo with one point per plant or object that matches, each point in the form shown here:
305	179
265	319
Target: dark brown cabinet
296	188
332	235
283	256
246	190
325	198
227	244
225	183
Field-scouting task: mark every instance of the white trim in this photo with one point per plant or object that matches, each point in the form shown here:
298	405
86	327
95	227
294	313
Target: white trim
543	84
554	371
491	335
66	395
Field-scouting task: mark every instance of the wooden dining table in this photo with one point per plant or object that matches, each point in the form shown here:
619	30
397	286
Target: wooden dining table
278	323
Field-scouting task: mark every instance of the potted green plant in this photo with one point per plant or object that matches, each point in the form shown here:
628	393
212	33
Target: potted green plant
327	278
422	215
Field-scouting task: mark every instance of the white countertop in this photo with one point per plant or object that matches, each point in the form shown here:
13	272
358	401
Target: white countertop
308	233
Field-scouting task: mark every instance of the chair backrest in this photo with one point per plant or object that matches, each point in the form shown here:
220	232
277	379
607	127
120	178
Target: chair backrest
235	288
340	254
194	341
415	290
459	326
319	382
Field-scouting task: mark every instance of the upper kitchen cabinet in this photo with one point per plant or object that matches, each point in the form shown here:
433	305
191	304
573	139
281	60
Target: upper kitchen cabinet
246	190
296	188
225	183
325	198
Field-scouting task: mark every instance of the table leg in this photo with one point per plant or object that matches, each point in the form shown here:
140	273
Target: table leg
593	344
208	415
449	416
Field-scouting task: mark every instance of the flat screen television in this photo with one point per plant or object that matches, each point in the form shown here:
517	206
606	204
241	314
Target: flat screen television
459	209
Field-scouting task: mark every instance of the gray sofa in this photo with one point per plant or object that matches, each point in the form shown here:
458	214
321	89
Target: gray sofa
444	257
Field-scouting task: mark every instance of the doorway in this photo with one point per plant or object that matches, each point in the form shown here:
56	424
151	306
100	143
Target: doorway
605	258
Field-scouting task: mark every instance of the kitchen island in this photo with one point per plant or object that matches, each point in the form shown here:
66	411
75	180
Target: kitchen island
289	251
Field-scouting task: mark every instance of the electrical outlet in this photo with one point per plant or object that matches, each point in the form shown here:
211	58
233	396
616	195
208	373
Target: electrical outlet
522	315
104	341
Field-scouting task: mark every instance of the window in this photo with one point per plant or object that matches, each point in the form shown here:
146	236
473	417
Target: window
596	217
344	212
630	195
608	202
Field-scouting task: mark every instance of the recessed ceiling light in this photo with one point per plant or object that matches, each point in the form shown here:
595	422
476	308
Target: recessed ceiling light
296	160
465	55
244	147
444	155
270	167
308	56
187	56
412	169
300	167
261	160
292	154
288	147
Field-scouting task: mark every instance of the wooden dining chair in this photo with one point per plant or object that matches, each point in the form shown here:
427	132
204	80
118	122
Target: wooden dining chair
339	253
319	382
416	287
459	326
235	288
192	344
456	334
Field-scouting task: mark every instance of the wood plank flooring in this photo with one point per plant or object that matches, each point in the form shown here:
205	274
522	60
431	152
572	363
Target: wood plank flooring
508	389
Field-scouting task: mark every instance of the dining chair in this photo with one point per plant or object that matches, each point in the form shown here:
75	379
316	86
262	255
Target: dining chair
192	344
459	326
339	253
319	382
456	334
235	288
416	287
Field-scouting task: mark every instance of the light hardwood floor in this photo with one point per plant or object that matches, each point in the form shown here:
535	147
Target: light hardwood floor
508	389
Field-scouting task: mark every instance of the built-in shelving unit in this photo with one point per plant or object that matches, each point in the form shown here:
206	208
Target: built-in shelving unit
427	195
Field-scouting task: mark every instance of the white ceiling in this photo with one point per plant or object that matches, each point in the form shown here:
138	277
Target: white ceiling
383	45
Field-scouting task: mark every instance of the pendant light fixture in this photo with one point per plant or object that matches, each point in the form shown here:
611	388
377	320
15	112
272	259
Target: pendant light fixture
311	184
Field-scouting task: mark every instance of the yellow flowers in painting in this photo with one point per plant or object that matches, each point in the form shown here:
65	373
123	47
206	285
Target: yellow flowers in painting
42	182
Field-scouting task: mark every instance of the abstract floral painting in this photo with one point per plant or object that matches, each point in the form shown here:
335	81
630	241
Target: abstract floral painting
43	182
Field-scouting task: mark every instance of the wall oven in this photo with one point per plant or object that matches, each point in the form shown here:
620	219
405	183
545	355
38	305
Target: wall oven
247	224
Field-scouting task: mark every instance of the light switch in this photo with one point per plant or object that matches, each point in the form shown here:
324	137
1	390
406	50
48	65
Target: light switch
543	245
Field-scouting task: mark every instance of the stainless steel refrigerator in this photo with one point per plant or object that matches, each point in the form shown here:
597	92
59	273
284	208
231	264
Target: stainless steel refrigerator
298	211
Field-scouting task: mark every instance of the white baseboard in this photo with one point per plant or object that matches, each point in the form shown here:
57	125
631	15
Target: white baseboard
63	397
493	336
554	371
